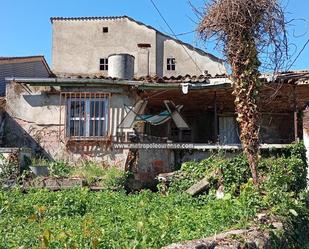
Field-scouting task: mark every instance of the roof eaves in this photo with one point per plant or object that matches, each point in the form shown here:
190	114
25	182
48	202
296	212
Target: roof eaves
115	83
85	18
9	58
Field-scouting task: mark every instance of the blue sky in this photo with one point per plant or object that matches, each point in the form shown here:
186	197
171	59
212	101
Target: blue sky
26	29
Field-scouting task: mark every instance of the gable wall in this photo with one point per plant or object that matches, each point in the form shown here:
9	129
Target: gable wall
79	44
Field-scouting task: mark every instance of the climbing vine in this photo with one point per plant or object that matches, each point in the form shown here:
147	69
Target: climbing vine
246	29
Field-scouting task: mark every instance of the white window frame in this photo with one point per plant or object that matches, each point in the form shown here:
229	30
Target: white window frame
86	119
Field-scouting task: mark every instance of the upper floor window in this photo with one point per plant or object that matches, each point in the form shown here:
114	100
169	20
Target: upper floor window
104	64
171	64
105	29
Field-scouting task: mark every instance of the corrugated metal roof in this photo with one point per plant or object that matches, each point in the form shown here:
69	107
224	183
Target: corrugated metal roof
290	77
105	81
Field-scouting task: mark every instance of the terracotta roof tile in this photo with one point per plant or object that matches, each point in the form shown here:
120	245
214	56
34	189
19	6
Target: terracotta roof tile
86	18
150	79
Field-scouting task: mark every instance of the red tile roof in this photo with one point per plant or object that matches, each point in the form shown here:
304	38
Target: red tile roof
150	79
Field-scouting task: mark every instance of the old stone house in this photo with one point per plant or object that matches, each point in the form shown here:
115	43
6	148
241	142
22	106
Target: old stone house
101	88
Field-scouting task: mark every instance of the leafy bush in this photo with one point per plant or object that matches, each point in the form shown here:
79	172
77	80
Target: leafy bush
107	177
60	169
39	161
281	191
231	173
287	173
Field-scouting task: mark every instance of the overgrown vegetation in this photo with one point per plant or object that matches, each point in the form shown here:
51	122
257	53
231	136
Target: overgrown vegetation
246	28
106	177
281	192
79	218
82	219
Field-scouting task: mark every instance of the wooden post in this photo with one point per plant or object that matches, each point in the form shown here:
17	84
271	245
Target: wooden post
295	126
306	136
216	118
295	115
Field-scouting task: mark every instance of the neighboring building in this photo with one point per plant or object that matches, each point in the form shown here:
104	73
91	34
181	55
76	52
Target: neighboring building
26	66
83	45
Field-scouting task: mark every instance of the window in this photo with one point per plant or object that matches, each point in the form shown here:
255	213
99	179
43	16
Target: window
105	29
103	64
87	117
171	64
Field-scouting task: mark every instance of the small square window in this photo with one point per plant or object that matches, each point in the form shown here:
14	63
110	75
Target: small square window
171	64
105	29
103	64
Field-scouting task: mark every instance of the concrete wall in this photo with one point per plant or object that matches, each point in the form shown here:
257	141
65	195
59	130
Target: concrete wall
33	120
188	60
79	44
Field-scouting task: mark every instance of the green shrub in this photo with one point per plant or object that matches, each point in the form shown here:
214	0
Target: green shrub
107	177
281	191
287	173
39	161
60	169
231	173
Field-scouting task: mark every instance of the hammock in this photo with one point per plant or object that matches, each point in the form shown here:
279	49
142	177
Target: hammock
135	114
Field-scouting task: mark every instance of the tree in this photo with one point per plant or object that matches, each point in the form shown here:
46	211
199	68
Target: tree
247	29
